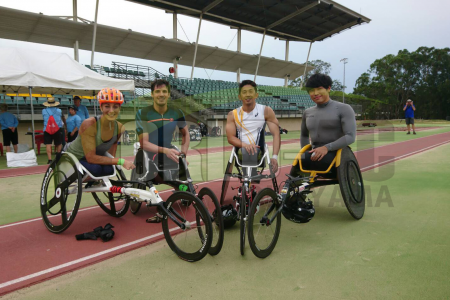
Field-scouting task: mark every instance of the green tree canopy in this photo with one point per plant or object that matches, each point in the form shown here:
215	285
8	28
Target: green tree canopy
319	66
422	75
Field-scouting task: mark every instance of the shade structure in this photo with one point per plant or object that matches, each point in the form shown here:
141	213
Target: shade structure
51	73
38	28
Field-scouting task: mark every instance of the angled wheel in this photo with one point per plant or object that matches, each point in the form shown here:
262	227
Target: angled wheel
211	203
118	203
193	242
351	184
60	194
243	216
263	234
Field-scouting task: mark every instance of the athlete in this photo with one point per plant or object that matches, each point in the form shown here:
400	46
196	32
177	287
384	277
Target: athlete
246	124
99	135
156	124
330	125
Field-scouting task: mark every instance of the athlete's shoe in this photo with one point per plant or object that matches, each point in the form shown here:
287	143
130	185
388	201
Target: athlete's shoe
408	132
414	132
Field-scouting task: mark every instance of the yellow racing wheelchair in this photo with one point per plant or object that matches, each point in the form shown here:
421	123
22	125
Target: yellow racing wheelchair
337	167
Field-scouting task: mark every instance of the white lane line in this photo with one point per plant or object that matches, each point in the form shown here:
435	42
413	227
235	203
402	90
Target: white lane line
11	282
402	156
207	182
80	260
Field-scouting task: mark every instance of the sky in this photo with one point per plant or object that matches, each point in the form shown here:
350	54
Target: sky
395	25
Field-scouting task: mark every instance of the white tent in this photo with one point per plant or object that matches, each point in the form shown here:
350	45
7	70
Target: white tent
23	71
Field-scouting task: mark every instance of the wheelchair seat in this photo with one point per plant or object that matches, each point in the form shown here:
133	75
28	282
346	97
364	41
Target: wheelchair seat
246	159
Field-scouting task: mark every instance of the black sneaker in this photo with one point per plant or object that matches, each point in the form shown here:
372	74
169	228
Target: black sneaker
414	132
49	162
409	132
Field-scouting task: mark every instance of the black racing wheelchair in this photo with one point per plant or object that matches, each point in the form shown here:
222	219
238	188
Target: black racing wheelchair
263	215
188	231
161	170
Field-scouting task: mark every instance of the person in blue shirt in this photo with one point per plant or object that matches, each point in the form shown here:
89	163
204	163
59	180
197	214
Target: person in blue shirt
409	115
82	110
73	124
156	124
9	125
60	121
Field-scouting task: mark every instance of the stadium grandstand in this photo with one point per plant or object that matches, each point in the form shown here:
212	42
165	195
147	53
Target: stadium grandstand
305	21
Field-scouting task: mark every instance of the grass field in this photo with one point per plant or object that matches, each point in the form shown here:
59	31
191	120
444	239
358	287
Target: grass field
399	250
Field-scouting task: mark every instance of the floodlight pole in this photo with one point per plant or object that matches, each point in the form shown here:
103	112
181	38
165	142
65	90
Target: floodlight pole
306	66
286	58
32	117
95	35
175	37
239	36
259	56
75	18
196	45
344	60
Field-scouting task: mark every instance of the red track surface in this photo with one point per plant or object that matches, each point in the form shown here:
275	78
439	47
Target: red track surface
31	254
7	173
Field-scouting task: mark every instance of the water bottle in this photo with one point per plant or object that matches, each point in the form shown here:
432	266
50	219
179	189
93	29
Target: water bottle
29	129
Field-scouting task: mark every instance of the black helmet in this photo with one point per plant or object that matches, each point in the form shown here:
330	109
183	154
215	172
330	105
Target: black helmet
229	214
299	211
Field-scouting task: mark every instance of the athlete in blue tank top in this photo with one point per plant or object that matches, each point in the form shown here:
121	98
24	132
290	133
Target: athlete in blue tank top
156	124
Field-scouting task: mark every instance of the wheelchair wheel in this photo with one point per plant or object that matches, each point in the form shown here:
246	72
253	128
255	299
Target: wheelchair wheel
135	206
211	203
118	204
61	194
262	237
192	243
351	184
243	215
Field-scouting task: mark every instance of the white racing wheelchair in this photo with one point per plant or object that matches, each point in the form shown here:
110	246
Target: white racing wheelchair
182	213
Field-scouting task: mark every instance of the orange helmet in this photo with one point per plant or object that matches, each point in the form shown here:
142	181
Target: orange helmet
108	95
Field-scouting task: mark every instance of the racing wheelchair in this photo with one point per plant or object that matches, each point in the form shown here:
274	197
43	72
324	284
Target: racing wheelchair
161	170
250	172
66	180
337	167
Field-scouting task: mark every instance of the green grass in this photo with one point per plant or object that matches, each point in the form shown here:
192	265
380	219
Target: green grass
399	250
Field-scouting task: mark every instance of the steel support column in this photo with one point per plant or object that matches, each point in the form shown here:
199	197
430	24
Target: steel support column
259	56
239	36
287	59
196	45
175	37
306	66
95	35
75	19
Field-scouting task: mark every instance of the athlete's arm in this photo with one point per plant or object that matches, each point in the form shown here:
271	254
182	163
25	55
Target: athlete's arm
304	133
348	123
274	128
185	139
128	165
88	133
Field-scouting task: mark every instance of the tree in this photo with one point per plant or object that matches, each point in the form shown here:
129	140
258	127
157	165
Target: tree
337	86
319	66
422	75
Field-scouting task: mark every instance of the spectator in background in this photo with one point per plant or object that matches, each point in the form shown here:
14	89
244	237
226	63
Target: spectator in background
9	124
73	124
82	110
409	115
53	127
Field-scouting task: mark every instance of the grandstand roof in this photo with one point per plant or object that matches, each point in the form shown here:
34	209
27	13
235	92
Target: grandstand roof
39	28
296	20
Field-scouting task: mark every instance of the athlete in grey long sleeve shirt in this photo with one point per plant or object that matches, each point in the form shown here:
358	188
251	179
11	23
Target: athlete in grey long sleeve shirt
331	124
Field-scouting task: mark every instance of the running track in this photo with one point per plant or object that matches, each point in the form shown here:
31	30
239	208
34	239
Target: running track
8	173
31	254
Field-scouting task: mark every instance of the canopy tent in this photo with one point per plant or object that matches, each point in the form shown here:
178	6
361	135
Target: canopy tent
50	73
